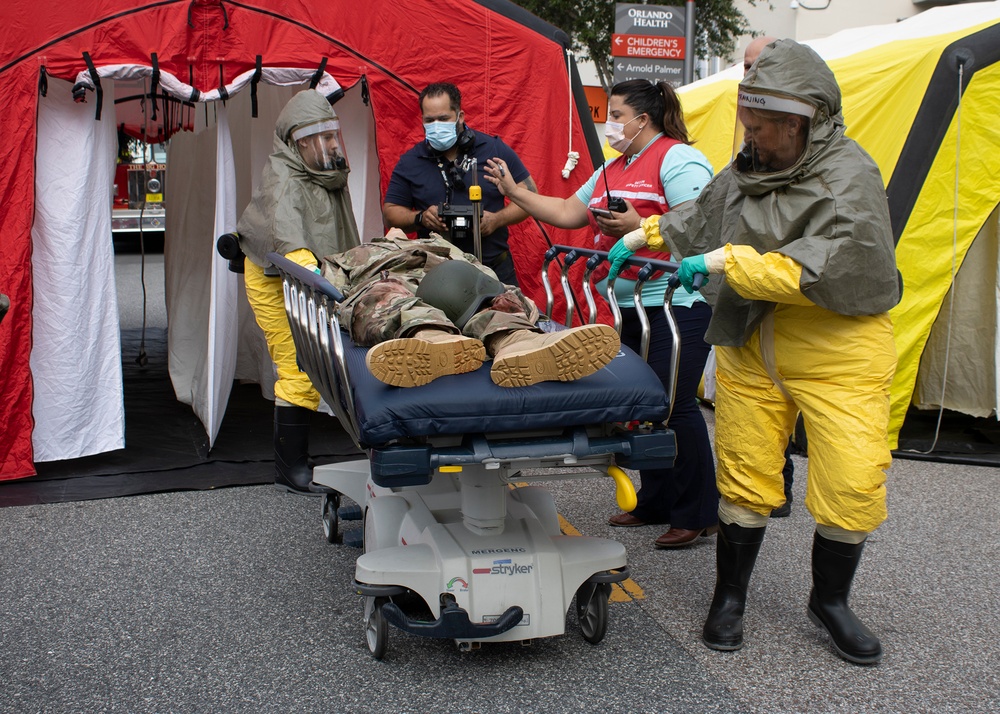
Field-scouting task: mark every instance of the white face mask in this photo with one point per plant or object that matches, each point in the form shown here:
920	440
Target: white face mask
614	132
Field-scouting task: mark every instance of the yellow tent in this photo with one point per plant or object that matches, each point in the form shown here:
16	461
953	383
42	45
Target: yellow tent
903	105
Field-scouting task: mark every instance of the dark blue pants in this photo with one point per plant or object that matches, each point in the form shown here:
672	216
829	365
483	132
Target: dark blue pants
684	496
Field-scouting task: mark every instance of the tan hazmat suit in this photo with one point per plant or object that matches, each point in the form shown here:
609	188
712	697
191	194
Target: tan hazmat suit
303	214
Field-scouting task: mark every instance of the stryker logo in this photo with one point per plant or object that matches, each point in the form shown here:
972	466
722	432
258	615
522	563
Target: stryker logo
503	567
497	551
525	619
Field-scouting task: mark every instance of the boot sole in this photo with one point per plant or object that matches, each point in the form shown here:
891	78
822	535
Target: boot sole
411	362
578	354
291	489
723	647
873	659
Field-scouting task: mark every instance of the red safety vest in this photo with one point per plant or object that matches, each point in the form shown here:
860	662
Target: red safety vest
639	183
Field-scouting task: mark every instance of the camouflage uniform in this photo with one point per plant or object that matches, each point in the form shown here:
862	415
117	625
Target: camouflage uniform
380	281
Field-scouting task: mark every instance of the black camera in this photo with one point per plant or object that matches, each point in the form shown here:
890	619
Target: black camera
458	219
617	204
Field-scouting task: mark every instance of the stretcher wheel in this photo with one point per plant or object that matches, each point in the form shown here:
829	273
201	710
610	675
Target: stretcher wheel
331	520
592	610
376	626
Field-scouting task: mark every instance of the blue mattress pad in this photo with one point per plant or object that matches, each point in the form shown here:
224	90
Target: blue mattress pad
626	390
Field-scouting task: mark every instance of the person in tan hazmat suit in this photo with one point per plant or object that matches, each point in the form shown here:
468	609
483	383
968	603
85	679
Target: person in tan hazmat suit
300	209
798	228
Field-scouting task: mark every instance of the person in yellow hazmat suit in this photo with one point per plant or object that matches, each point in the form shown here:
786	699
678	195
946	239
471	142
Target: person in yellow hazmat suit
797	226
300	209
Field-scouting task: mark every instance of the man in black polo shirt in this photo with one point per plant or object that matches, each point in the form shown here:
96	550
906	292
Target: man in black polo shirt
438	170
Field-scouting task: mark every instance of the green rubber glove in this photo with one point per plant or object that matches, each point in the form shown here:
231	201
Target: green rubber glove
618	254
689	268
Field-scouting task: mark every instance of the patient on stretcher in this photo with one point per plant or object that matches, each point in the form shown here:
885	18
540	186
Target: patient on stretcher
428	310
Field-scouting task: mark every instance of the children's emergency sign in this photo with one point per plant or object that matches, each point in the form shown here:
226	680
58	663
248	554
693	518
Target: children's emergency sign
648	43
647	46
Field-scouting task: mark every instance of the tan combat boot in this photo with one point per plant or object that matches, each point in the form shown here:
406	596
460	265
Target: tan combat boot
422	358
522	357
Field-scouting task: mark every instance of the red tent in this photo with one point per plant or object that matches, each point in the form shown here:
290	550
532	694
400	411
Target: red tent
60	373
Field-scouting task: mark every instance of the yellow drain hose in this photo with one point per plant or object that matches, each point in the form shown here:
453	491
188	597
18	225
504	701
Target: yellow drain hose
624	490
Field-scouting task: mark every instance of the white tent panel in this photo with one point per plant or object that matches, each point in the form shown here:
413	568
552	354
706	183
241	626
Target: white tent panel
959	364
358	125
76	351
223	316
189	256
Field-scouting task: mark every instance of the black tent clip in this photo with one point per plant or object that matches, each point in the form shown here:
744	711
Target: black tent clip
43	81
253	87
154	80
318	74
223	92
80	89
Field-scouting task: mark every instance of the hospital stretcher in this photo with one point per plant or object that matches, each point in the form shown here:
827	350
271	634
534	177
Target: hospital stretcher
453	522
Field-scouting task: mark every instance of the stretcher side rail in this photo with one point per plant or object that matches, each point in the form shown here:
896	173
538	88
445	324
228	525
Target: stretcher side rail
310	304
648	268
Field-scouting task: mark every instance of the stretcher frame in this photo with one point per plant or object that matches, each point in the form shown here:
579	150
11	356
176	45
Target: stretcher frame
468	503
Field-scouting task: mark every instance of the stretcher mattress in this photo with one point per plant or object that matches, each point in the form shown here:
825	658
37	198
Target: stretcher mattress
626	390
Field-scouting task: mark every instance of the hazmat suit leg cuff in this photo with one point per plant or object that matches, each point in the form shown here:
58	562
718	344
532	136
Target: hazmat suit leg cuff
730	513
841	535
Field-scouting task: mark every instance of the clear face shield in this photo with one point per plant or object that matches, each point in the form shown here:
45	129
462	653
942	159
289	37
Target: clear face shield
772	133
321	145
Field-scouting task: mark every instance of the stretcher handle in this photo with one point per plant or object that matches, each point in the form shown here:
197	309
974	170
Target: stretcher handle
696	282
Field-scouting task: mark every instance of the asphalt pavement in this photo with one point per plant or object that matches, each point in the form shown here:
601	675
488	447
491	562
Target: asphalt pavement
232	601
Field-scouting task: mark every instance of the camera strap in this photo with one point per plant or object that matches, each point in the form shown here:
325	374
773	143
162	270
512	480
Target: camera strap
449	185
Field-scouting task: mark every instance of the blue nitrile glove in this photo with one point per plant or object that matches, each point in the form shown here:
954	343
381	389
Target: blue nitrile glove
618	254
689	268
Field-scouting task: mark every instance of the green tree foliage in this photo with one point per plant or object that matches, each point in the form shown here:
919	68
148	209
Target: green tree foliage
590	24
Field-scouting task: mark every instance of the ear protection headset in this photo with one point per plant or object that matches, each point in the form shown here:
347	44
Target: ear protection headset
466	140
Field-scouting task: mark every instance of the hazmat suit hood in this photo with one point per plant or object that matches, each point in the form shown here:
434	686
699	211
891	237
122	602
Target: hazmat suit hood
296	206
827	211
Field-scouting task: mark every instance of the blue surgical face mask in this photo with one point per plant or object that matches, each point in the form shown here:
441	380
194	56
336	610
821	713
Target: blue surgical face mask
441	135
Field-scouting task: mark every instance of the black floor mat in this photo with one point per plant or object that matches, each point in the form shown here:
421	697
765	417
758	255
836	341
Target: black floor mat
962	439
166	447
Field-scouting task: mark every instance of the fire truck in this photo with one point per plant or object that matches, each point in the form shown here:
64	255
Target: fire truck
139	189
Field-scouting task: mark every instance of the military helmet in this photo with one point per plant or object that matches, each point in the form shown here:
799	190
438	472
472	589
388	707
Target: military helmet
458	289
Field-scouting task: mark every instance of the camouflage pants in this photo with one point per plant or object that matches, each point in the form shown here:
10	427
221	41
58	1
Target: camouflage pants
380	280
387	308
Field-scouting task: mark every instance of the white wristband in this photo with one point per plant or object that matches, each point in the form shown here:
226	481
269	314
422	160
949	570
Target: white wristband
634	240
716	261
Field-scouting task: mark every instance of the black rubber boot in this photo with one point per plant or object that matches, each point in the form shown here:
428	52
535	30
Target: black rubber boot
735	554
833	566
291	449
